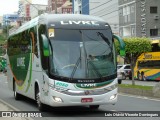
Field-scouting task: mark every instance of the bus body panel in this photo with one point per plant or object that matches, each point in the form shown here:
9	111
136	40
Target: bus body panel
9	76
148	64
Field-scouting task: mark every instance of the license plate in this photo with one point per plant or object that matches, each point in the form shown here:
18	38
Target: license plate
84	100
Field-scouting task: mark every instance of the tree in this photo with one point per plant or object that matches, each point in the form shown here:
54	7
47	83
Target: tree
2	44
2	37
133	48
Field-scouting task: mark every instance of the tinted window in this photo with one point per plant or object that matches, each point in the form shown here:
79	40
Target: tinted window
127	67
149	64
153	9
119	66
19	44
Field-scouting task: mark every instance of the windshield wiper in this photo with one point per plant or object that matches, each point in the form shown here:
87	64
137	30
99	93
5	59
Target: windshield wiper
105	39
75	68
95	68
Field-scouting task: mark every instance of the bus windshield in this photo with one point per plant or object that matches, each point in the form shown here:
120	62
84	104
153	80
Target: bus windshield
82	54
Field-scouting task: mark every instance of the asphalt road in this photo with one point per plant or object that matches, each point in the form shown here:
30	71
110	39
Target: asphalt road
125	103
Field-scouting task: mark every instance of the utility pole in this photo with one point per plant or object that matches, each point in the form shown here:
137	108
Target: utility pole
7	29
55	5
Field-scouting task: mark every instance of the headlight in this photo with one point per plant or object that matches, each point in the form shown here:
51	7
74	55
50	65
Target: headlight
57	99
113	97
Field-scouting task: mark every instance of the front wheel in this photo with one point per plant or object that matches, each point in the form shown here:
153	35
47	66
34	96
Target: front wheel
39	104
138	75
119	81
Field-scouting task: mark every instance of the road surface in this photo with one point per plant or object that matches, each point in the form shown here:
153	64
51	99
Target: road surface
125	103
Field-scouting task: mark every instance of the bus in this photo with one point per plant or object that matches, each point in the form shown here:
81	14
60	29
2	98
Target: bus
64	60
148	64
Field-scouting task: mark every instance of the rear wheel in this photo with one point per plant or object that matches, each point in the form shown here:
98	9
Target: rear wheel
142	76
17	96
94	107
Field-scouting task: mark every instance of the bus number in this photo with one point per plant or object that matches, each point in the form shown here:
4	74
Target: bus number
61	84
148	56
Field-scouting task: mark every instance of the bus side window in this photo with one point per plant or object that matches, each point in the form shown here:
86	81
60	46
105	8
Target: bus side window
44	60
24	43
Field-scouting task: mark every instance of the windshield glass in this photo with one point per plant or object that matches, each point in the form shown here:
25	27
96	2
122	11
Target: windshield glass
119	66
149	64
82	54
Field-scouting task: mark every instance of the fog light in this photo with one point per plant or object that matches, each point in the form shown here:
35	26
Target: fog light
113	97
57	99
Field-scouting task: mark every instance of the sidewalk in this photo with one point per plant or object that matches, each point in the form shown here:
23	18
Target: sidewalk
5	107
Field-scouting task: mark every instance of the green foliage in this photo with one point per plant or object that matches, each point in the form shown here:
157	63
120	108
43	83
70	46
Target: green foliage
134	47
137	45
2	43
135	86
2	37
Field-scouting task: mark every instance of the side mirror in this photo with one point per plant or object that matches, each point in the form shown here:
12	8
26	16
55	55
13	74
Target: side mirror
122	45
45	45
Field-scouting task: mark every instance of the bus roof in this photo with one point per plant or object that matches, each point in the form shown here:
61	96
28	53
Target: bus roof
75	21
155	41
149	56
66	21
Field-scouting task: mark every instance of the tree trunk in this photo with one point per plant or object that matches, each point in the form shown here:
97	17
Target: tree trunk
132	69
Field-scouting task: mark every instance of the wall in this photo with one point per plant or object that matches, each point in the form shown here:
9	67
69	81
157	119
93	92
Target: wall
145	20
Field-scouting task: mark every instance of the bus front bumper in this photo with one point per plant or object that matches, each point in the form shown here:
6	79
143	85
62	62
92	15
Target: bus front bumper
61	99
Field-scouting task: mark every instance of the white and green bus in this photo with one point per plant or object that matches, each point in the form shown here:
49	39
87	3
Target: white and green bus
64	60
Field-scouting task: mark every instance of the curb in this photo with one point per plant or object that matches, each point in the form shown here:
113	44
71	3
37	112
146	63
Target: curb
138	92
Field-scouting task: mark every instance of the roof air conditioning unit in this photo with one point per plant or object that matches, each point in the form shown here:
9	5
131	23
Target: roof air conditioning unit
156	17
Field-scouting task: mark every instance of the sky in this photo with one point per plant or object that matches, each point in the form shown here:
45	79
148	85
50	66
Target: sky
11	6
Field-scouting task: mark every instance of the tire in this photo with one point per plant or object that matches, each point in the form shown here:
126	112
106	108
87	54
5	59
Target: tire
40	105
142	76
119	81
17	96
138	75
94	107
